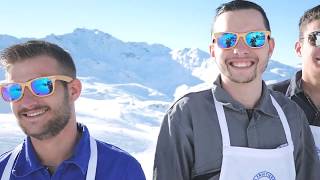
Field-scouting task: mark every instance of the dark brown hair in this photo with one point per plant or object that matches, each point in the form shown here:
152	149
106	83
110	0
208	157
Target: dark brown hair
308	16
34	48
241	5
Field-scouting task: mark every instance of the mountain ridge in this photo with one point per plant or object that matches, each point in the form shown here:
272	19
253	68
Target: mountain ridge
105	59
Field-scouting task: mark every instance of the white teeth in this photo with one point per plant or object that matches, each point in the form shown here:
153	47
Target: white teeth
241	64
35	113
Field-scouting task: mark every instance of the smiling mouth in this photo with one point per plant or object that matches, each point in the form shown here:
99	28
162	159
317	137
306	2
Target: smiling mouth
241	64
35	113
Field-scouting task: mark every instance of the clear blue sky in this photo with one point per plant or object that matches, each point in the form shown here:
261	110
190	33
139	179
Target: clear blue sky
173	23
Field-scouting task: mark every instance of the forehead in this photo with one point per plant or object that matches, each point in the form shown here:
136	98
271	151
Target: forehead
312	26
32	68
239	21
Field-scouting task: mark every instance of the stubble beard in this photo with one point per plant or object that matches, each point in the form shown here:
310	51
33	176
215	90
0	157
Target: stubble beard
55	125
236	79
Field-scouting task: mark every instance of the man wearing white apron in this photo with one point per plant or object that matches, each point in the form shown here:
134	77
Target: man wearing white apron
239	129
304	87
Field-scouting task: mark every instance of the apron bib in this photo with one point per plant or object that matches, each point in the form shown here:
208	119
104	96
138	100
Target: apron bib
92	165
255	164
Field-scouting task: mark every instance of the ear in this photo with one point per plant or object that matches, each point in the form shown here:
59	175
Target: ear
271	46
75	88
298	47
211	50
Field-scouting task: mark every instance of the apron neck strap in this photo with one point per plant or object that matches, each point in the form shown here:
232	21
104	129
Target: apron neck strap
222	123
284	121
92	165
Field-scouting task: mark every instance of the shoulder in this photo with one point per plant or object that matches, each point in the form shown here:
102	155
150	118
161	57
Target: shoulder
280	86
114	155
195	107
117	163
4	159
294	114
5	156
188	106
296	118
192	99
285	103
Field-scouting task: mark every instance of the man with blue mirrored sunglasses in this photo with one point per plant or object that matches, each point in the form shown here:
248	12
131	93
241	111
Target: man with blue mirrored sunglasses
304	87
42	87
238	129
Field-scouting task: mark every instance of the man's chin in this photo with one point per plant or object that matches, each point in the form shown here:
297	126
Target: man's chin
39	135
242	80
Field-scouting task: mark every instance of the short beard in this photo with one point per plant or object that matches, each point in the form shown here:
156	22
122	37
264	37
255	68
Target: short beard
56	124
250	79
243	80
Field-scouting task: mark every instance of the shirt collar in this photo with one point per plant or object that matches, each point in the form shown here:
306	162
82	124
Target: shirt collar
223	96
81	153
295	86
264	104
27	161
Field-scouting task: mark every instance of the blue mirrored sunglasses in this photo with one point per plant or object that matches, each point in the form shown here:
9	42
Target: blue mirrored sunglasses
40	87
314	38
253	39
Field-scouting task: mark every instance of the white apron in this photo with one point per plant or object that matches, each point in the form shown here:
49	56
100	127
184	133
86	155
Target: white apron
256	164
92	165
316	136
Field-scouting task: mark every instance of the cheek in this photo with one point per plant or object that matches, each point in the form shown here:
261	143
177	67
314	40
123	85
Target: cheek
59	99
315	52
14	108
307	51
218	52
262	54
221	55
53	101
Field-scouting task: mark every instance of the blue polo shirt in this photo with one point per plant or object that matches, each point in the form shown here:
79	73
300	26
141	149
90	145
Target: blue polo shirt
113	163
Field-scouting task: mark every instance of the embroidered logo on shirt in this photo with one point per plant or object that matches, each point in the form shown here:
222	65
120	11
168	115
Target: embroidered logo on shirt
264	175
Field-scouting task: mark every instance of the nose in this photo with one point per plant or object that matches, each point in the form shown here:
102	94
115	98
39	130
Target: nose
28	100
241	48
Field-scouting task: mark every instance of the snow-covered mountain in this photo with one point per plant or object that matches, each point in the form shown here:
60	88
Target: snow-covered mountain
110	60
107	59
127	87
